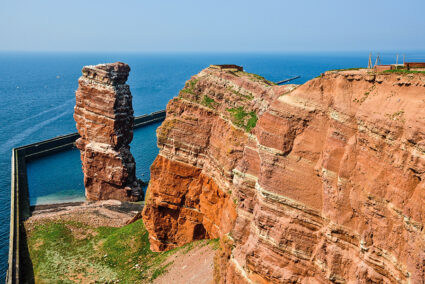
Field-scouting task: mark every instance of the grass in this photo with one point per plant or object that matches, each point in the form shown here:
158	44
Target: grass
404	71
256	77
215	243
243	119
157	272
164	130
190	86
398	115
209	102
64	252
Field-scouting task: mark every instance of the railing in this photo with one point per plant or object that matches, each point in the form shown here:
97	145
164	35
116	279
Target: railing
18	258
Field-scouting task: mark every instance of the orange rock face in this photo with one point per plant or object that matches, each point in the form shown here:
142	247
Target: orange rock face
104	117
328	187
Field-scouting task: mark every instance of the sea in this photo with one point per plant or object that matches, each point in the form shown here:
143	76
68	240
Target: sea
37	98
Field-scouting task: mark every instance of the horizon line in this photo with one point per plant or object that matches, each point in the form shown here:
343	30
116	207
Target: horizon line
217	52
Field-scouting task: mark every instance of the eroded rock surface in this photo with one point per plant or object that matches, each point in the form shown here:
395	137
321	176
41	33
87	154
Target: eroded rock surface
326	187
104	116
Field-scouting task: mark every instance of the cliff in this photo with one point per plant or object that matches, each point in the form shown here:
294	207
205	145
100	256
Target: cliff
318	183
104	117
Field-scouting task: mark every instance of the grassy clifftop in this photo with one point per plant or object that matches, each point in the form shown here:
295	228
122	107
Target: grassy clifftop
65	251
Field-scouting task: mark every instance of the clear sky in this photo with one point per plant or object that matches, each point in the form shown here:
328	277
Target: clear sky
204	26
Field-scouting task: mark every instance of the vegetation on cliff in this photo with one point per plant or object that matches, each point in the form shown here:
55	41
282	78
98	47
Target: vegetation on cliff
209	102
243	119
63	251
404	71
255	77
189	87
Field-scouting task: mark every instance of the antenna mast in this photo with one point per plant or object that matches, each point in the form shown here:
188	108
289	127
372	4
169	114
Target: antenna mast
396	62
378	60
369	64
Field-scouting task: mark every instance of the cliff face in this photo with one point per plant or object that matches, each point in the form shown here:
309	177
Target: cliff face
190	192
104	117
327	186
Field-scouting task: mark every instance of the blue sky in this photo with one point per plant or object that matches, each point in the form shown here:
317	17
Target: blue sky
205	26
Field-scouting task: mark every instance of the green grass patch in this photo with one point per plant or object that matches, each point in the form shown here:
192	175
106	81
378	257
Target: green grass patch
190	87
215	243
404	71
58	256
243	119
73	252
255	77
209	102
157	272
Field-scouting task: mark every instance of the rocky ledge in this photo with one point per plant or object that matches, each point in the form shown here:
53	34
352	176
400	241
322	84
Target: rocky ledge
104	116
318	183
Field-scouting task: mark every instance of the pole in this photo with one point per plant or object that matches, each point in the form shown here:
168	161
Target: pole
377	60
396	62
369	64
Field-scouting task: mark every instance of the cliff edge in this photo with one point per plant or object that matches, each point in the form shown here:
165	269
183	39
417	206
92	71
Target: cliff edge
317	183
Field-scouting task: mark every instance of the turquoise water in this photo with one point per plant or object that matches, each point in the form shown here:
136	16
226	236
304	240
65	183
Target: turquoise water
58	178
37	99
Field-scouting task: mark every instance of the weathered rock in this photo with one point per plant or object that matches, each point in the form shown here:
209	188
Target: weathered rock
327	187
104	116
189	195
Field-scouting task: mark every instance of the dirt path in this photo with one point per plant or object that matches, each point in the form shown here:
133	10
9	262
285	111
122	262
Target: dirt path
195	266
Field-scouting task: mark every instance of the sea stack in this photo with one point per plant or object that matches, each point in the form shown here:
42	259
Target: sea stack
104	117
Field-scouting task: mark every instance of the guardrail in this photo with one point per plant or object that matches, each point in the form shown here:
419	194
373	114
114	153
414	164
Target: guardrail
18	259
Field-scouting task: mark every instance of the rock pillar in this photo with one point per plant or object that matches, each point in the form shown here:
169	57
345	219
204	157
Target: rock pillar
104	117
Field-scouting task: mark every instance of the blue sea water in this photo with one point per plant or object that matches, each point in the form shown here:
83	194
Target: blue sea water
37	99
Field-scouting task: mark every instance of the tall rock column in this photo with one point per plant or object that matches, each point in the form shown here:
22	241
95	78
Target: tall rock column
104	117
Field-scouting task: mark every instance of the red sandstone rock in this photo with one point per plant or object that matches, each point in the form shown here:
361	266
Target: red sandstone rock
104	116
327	188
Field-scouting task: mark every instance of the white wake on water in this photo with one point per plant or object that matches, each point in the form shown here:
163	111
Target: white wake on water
13	142
17	123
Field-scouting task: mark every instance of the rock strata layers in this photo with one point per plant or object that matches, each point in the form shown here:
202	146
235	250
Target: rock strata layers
104	117
328	186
